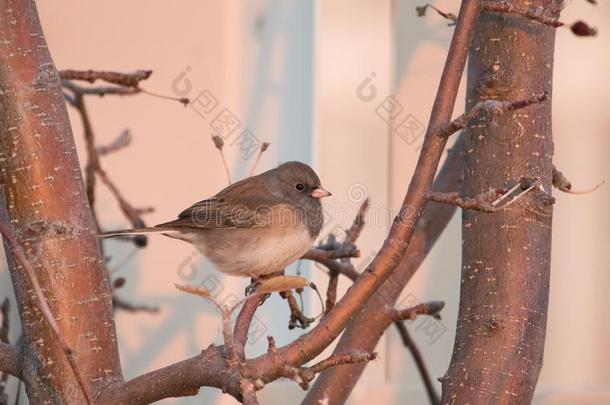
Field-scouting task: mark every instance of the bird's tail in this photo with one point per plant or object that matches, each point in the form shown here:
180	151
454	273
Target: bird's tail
126	232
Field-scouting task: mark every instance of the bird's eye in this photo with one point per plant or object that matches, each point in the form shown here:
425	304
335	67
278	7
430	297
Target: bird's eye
299	187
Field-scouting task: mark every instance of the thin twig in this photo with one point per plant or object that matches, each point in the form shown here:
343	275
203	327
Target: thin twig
4	325
4	330
219	144
421	11
262	150
304	375
297	317
102	90
131	79
43	306
562	183
432	308
351	236
182	100
492	107
331	290
419	362
94	166
119	303
485	202
481	202
121	141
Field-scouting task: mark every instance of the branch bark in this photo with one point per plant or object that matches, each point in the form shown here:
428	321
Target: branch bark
506	255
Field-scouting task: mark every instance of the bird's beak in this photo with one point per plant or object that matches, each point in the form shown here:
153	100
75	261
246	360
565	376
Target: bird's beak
320	193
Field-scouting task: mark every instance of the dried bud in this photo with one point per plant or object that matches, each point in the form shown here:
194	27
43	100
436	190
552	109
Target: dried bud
140	241
421	10
184	100
265	146
118	283
582	29
218	142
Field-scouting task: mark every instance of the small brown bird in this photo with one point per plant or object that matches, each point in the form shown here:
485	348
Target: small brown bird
254	227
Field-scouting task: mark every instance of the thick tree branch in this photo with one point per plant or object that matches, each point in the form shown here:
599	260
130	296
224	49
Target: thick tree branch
45	203
43	306
506	256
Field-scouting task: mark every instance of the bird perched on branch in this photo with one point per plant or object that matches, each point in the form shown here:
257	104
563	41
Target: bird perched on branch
254	227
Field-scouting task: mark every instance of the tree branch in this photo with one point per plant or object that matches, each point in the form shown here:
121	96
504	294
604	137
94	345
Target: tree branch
242	324
481	202
490	107
304	375
43	306
432	308
297	317
419	362
505	256
121	141
341	251
561	182
132	79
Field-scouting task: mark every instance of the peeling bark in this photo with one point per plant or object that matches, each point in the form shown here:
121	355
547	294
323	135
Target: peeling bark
506	255
45	202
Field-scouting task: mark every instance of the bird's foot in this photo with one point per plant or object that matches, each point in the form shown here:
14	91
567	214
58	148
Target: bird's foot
252	287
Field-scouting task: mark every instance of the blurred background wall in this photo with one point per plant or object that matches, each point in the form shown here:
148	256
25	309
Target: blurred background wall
309	77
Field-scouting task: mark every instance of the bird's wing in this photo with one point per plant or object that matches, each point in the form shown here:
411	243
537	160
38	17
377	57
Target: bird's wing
242	205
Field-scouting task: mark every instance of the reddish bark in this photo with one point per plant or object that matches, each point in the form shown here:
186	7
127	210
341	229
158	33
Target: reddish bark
506	255
45	202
